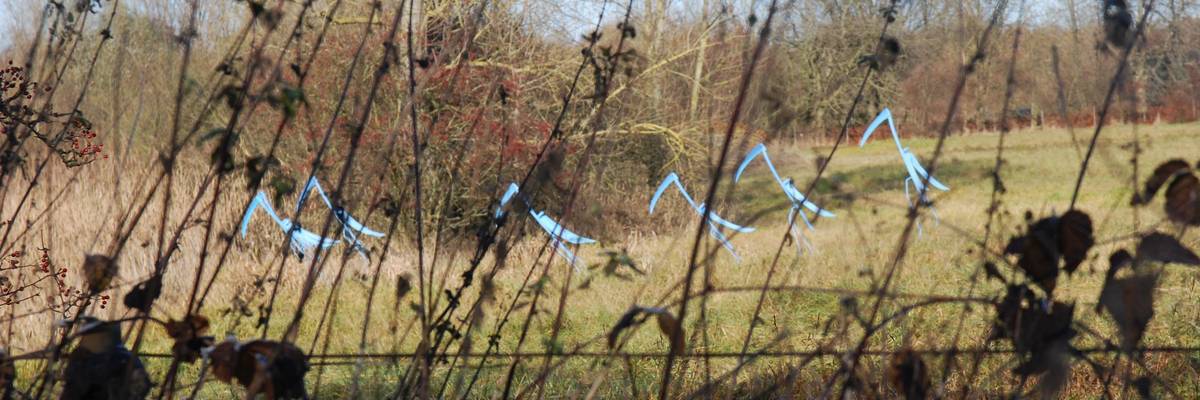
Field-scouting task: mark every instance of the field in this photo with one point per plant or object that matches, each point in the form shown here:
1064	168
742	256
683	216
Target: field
851	252
277	199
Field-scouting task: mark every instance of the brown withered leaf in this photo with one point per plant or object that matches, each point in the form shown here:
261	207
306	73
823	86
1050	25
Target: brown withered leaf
667	323
273	368
1033	328
143	295
403	285
631	318
1068	237
992	272
670	327
1038	252
224	359
885	55
1074	238
189	337
1130	302
1119	260
1182	200
1163	173
908	375
1165	249
99	271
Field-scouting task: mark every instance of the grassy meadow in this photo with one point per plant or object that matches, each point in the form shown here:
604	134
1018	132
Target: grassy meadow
134	134
852	251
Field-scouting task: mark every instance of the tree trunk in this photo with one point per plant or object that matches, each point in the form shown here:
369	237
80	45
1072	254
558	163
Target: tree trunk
698	72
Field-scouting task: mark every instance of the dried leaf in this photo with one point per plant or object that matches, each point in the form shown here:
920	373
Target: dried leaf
992	272
632	317
274	368
908	375
1033	328
1046	241
1118	260
188	335
1182	200
1130	302
616	260
1161	175
1165	249
142	296
1039	252
667	323
223	358
99	271
1075	238
889	52
403	285
670	327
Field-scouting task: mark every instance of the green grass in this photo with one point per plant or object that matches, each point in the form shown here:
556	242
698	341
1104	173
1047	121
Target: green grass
863	186
1039	173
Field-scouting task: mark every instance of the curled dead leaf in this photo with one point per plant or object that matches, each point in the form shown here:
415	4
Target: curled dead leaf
1035	328
1183	200
1118	23
1074	238
1068	238
670	326
188	335
992	272
1165	249
403	285
275	369
142	296
99	270
908	375
1038	252
1163	173
1130	302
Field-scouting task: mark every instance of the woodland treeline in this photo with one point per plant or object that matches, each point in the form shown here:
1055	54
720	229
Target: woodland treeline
490	78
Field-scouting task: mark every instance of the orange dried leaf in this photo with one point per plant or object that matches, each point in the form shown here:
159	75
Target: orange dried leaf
1182	200
1161	175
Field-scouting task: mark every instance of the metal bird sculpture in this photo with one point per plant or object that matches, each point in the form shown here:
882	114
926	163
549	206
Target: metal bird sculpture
303	241
917	175
559	235
713	219
798	199
351	228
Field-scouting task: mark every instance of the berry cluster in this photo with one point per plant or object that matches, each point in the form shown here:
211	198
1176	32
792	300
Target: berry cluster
67	300
82	140
13	79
